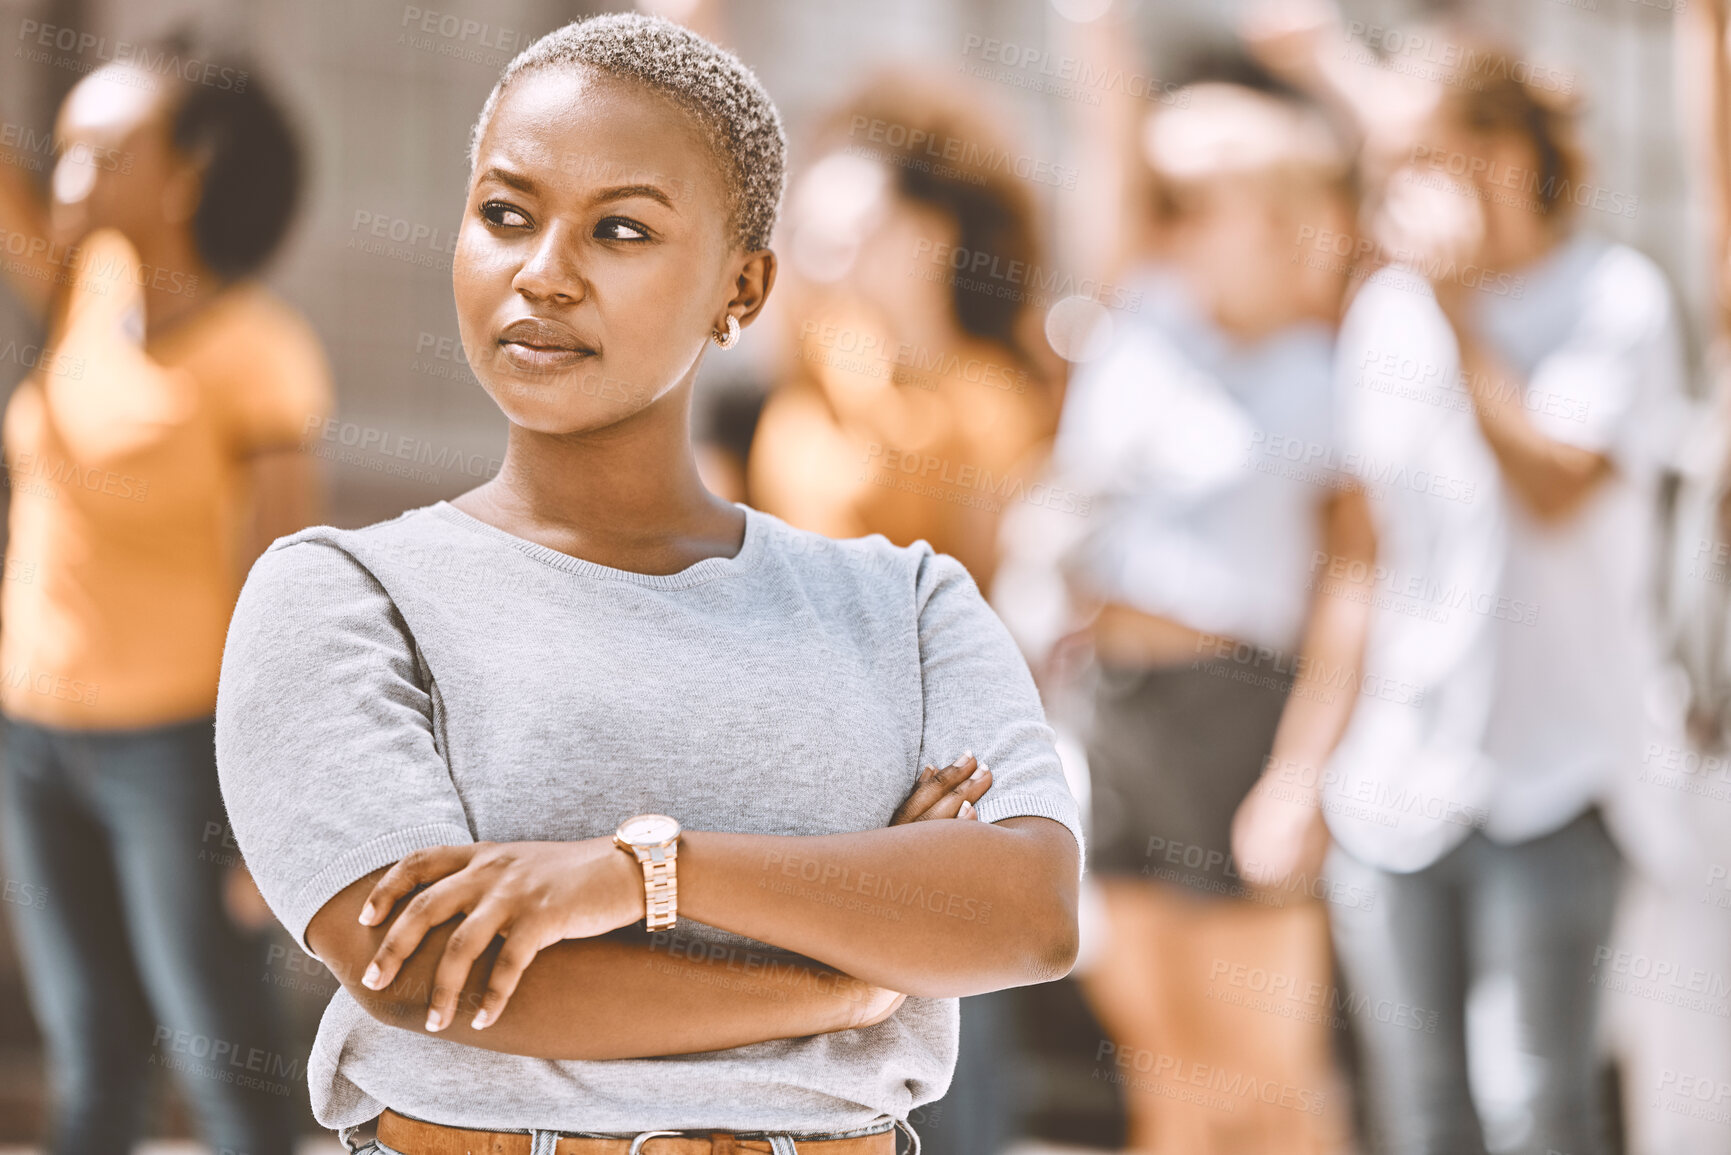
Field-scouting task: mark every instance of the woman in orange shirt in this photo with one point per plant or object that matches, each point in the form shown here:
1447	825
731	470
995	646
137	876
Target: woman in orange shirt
921	396
151	456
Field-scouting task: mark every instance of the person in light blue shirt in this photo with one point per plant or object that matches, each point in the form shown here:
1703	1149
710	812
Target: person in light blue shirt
1497	870
1204	438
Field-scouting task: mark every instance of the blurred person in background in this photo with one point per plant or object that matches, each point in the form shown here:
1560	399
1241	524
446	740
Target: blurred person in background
1682	913
1672	1056
920	396
1569	356
1203	433
1408	777
152	456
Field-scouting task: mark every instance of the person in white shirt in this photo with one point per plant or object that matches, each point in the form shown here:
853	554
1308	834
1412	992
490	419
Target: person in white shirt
1202	438
1524	612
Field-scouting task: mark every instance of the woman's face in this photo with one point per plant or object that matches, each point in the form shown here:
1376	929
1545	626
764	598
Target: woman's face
117	166
595	255
896	270
851	227
1511	221
1237	246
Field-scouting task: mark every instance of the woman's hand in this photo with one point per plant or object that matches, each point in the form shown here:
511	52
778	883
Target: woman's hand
533	894
1278	835
947	793
871	1005
1431	221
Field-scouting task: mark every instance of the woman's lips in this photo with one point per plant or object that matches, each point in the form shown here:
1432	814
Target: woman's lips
540	345
541	358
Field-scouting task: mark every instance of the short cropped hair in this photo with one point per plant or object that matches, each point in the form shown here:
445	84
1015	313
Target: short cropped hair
732	109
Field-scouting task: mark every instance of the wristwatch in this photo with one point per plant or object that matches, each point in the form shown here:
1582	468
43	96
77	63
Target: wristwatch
654	840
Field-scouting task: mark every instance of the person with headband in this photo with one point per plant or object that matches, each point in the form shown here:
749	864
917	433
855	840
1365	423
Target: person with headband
468	751
1204	436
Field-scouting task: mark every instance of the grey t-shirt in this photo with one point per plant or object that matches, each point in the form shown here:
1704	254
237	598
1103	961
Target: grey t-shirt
433	680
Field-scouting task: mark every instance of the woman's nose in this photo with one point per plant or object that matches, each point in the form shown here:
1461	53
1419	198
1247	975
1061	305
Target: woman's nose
552	270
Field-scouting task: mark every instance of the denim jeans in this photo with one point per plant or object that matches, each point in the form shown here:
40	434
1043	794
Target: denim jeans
117	838
1531	914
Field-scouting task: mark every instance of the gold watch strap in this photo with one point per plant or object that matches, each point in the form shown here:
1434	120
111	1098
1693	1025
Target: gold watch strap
660	885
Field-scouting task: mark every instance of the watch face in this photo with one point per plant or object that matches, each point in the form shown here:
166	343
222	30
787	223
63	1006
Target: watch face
649	830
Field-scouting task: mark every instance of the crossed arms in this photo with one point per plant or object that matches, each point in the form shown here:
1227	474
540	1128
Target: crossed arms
533	938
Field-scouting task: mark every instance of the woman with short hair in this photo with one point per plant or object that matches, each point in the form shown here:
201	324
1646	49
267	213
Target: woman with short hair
589	694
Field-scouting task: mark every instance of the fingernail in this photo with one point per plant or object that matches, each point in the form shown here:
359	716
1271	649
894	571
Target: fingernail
967	810
370	980
367	915
979	773
480	1020
432	1020
966	754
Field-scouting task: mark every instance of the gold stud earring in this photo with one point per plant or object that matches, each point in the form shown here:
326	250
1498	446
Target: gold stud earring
732	337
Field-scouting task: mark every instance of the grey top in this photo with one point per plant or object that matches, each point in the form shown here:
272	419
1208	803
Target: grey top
433	680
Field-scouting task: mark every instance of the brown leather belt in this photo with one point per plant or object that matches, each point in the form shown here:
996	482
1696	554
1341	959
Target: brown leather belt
413	1137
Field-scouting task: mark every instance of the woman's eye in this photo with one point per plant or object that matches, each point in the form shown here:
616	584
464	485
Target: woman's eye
502	214
620	229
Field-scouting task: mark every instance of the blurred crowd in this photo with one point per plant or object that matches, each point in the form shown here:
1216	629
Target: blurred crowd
1358	516
1349	535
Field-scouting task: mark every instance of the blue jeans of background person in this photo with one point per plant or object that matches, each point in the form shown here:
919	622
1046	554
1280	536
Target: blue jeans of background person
130	957
1532	912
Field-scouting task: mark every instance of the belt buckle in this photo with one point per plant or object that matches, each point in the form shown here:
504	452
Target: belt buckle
645	1136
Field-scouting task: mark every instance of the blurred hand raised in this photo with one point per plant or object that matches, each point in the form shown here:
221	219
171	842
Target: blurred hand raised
1434	226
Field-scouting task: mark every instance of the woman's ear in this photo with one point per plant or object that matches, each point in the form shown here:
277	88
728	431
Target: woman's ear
751	288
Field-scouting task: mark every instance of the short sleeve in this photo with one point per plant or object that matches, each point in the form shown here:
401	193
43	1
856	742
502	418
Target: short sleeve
1614	384
324	732
1397	371
276	391
978	695
1147	417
